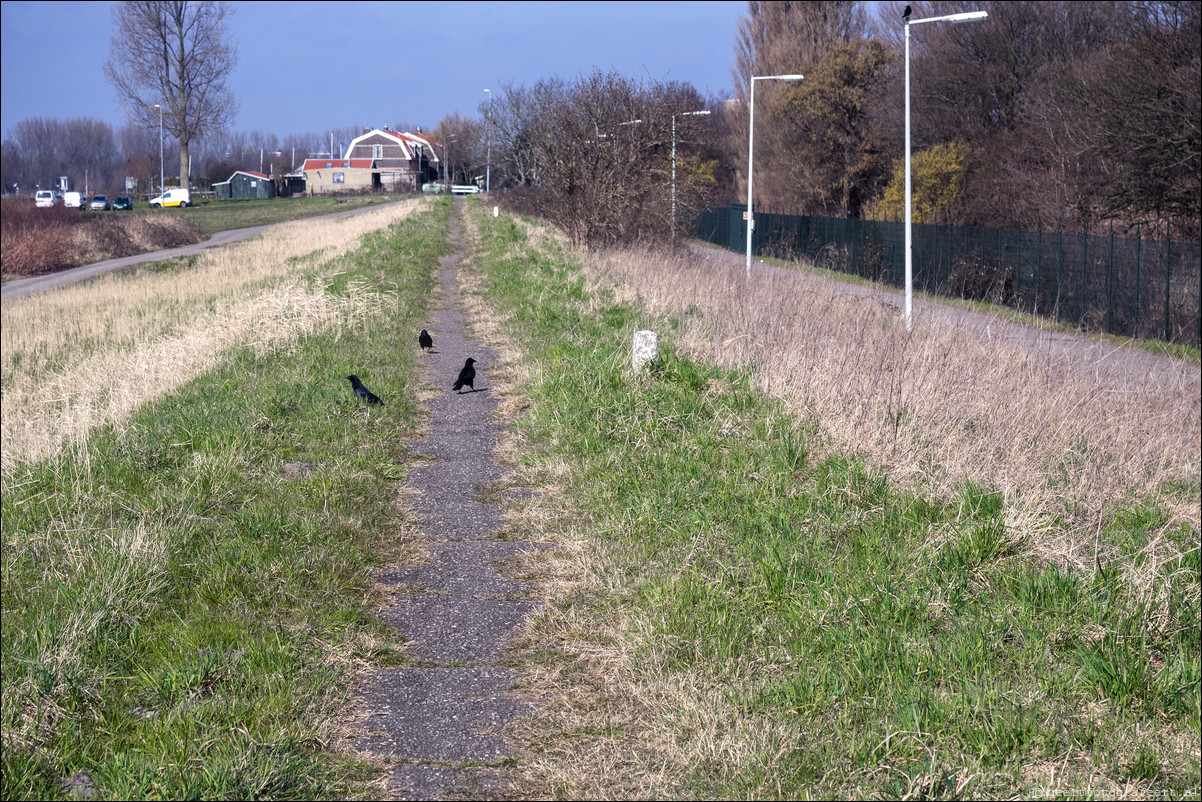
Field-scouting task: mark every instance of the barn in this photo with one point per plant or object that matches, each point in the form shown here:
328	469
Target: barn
245	184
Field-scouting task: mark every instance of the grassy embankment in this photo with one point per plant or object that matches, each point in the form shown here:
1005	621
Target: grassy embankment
185	568
820	575
212	216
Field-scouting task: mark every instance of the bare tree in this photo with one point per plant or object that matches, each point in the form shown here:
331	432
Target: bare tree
178	54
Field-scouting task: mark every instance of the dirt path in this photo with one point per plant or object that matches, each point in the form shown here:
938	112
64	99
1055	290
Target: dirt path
438	721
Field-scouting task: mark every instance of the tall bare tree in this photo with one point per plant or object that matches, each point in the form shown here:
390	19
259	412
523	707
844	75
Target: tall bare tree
178	54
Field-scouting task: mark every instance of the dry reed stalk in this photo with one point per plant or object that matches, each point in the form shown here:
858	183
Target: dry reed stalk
80	358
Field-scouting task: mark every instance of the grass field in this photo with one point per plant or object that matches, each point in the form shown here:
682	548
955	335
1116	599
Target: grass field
186	593
802	556
212	216
753	597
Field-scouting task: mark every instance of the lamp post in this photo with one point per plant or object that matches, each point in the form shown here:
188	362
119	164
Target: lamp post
160	108
674	116
750	150
967	16
488	167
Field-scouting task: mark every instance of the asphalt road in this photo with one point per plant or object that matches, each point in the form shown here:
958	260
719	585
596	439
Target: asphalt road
19	288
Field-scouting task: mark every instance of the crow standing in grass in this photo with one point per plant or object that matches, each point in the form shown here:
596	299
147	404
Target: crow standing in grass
467	377
425	340
361	391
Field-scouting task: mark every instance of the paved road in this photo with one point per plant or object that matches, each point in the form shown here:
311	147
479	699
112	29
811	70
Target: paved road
21	287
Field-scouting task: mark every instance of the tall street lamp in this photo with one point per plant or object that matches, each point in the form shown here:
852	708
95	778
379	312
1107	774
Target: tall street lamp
750	149
674	116
160	108
488	167
967	16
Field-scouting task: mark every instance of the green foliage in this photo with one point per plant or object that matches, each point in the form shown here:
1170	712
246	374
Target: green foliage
182	613
937	180
887	641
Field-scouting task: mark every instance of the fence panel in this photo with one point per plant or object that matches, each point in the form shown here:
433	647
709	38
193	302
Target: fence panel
1129	286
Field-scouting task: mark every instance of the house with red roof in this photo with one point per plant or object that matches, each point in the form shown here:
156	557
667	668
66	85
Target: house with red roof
379	160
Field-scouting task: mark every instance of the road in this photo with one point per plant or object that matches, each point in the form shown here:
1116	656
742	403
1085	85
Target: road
19	288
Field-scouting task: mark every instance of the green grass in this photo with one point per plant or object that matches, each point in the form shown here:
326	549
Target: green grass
905	642
212	216
182	617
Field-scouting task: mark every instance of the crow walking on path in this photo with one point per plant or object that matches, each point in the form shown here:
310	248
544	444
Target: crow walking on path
361	391
425	340
467	377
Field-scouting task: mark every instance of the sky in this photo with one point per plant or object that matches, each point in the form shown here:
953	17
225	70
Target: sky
308	67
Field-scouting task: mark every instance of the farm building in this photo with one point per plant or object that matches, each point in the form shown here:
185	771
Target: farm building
380	160
245	184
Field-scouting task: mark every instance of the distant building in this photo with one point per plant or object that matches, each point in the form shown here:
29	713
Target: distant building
379	160
245	184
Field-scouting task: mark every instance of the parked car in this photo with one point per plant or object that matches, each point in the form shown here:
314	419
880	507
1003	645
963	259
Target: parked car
45	198
172	197
123	202
99	203
73	200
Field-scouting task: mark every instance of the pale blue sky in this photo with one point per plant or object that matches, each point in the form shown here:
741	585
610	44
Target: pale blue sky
308	67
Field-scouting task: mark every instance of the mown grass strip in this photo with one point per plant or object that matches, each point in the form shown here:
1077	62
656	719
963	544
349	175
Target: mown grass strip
185	601
787	623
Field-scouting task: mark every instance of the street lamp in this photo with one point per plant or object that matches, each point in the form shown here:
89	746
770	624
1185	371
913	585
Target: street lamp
750	163
160	108
967	16
488	167
674	116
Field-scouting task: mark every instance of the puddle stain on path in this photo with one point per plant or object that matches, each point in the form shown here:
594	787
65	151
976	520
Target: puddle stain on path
440	721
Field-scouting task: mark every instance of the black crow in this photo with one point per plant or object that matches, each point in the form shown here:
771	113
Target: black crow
425	340
361	391
467	377
906	13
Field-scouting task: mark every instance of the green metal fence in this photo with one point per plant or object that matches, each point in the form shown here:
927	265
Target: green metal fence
1129	286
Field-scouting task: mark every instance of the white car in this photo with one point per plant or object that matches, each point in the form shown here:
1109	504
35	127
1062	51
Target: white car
73	200
172	197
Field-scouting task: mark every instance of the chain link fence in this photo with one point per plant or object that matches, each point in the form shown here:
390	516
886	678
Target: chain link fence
1128	286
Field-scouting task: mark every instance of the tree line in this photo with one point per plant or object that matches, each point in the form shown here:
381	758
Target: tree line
1083	115
1078	114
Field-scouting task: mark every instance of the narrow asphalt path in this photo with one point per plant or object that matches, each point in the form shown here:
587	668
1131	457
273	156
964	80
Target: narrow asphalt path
437	720
19	288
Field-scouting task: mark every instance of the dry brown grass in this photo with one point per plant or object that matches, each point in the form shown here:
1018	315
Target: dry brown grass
89	355
1057	430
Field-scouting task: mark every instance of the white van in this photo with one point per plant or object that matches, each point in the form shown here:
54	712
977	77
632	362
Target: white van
73	200
172	197
45	198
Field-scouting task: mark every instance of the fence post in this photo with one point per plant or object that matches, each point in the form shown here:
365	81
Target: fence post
981	271
1110	284
1038	265
1138	248
1084	264
1168	270
1018	270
